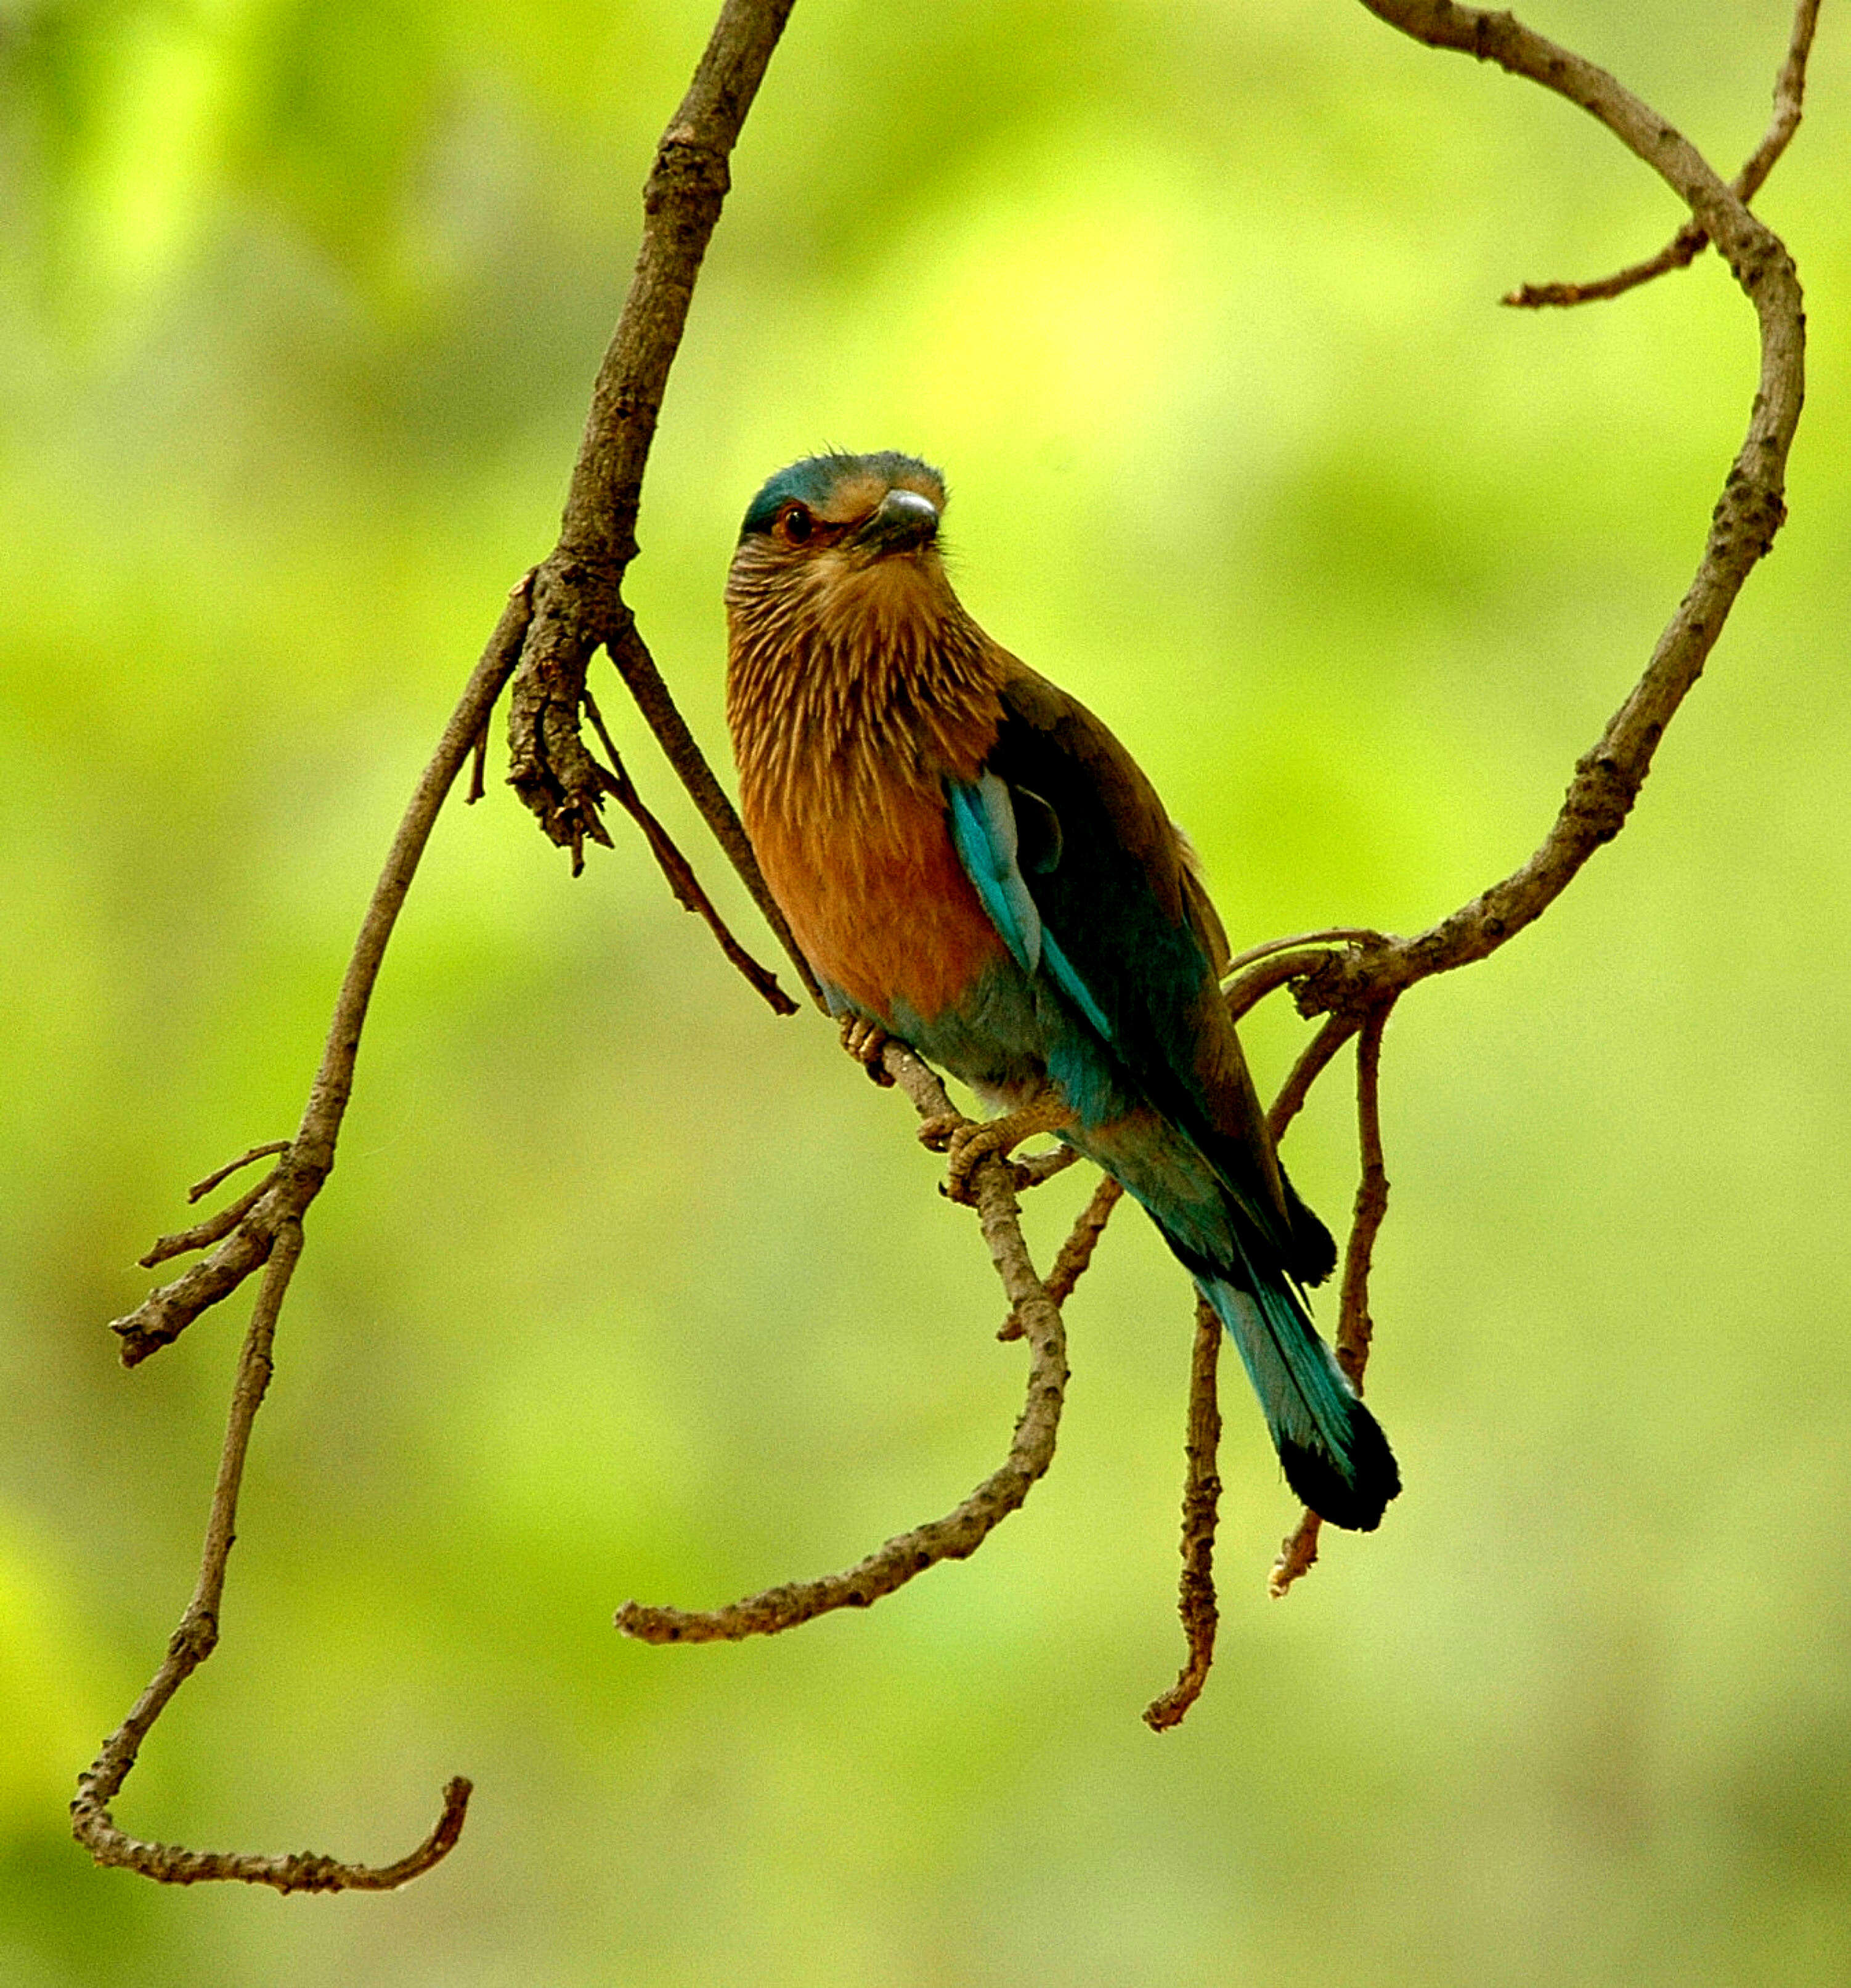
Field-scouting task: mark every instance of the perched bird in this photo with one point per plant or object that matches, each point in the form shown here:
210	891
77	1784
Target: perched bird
975	866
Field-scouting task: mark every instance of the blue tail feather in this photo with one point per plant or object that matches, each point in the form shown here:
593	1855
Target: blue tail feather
1335	1455
1331	1449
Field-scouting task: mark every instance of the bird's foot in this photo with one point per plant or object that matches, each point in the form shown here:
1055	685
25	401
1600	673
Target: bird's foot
866	1041
966	1142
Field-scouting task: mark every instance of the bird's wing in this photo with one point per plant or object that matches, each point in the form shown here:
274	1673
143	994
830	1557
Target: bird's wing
1091	884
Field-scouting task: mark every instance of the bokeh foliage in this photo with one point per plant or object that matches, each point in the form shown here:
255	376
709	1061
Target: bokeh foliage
623	1287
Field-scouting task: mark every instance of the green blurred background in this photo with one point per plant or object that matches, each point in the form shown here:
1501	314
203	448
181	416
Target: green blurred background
623	1287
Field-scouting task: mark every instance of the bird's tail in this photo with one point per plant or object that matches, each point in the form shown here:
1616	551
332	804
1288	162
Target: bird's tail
1332	1449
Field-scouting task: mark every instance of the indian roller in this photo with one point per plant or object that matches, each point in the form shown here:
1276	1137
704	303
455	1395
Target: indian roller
974	866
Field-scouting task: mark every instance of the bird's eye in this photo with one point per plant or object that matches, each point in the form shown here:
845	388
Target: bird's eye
798	525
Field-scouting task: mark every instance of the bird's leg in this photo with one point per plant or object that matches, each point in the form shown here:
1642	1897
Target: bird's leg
865	1041
967	1142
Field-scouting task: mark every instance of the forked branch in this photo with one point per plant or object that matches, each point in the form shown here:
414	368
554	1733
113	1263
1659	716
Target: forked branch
1690	240
1352	977
547	614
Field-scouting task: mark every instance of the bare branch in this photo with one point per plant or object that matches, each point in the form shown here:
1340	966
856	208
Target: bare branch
1331	935
1311	1064
1355	1329
1201	1494
1690	240
200	1189
1070	1264
194	1642
214	1228
1298	1554
962	1531
1039	1169
578	600
558	612
1748	513
1355	989
167	1312
637	667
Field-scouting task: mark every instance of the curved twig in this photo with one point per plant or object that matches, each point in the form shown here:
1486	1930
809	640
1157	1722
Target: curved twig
1331	935
963	1530
1690	240
1246	991
1748	513
1313	1060
1355	989
200	1189
644	681
194	1641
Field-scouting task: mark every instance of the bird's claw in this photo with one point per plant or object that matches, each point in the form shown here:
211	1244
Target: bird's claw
936	1134
867	1042
965	1141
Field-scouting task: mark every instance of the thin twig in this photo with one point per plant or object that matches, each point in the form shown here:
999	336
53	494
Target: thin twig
194	1642
1355	1329
1245	992
629	654
963	1530
1331	935
167	1311
1039	1169
1690	240
680	872
1071	1263
478	765
200	1189
1201	1494
1312	1061
214	1228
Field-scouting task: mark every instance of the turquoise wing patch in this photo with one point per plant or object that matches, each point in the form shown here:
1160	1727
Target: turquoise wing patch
983	833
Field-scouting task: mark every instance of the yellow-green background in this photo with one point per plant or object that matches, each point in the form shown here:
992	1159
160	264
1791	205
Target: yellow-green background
623	1287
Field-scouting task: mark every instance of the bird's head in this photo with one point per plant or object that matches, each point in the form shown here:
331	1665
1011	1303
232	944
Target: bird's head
844	547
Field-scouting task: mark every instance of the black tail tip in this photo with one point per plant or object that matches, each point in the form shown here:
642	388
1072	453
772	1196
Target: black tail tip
1353	1491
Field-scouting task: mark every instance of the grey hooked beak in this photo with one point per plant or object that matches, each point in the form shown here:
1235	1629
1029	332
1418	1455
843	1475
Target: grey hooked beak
905	521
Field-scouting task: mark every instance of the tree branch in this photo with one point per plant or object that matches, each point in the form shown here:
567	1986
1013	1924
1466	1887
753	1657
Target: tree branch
1355	1329
1690	240
679	872
578	598
194	1641
544	621
1748	513
1355	989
